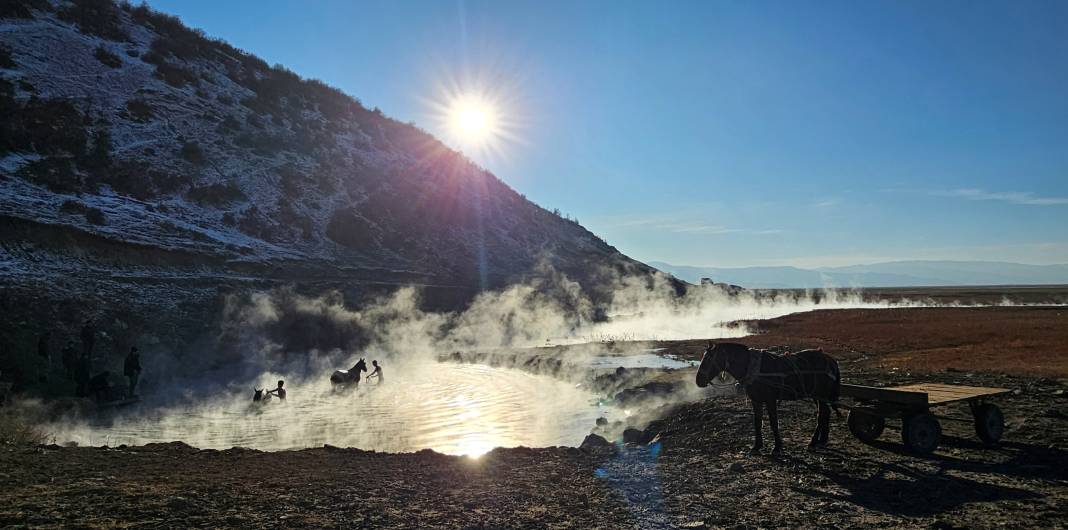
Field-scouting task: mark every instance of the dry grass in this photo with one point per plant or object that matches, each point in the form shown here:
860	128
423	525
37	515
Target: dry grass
18	428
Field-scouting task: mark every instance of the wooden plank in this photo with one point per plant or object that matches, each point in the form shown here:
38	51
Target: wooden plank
888	395
938	394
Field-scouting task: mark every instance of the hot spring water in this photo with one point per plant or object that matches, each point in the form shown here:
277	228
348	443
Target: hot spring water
451	408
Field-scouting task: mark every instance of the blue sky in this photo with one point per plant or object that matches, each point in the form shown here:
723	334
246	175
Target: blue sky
728	133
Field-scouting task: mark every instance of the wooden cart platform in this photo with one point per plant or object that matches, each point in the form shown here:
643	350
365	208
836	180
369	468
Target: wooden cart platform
920	429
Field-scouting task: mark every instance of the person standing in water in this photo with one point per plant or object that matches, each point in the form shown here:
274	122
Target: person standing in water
280	392
377	372
132	369
70	360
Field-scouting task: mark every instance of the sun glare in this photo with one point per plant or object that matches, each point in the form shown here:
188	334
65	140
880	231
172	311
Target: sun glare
475	119
472	121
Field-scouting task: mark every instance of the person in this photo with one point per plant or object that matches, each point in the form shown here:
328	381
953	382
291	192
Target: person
132	369
377	372
70	360
88	337
81	375
280	392
44	354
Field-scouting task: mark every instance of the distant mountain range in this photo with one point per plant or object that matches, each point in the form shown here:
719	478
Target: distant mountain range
889	274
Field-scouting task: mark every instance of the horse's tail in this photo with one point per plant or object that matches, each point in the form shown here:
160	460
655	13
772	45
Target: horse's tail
836	386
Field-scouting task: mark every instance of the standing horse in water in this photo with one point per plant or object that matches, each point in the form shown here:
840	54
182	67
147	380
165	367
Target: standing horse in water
769	378
346	378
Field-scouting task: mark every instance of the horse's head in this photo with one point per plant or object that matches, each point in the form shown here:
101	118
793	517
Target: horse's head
361	366
258	396
721	357
711	365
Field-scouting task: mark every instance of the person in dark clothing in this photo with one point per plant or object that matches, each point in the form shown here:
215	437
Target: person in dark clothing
81	376
45	355
88	337
132	369
377	372
70	360
280	392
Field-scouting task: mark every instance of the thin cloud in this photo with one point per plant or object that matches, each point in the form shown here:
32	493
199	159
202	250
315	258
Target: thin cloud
675	225
1012	197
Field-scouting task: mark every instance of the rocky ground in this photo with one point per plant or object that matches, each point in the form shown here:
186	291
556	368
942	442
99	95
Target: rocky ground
694	473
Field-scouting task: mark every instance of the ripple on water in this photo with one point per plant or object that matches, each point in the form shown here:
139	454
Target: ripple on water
451	408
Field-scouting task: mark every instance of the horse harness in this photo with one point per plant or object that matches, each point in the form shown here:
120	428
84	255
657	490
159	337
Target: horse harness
752	371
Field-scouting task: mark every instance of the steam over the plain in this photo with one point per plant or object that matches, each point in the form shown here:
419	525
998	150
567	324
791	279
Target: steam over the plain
463	409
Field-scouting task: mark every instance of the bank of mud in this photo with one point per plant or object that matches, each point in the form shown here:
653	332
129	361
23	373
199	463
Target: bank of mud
695	474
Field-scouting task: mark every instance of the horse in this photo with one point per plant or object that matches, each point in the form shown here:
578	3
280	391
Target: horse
769	378
344	378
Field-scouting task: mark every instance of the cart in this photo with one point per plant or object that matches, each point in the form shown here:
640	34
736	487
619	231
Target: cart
912	404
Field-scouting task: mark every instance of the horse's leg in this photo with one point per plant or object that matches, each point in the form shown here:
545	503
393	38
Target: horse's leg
773	416
758	437
819	426
823	424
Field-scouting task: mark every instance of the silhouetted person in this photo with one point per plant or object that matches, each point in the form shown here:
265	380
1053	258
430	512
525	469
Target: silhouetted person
132	369
44	354
280	392
377	372
81	376
70	360
88	337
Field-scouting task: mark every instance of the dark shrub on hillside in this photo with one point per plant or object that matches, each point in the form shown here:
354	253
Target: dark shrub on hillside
96	17
91	214
349	229
6	60
72	207
95	216
139	110
174	75
139	179
40	126
22	8
98	158
217	194
192	152
55	173
107	58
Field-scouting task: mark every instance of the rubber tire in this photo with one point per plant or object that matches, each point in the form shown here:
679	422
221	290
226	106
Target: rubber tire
921	433
866	426
989	423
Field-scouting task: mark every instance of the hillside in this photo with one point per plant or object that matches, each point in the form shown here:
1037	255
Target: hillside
147	168
889	274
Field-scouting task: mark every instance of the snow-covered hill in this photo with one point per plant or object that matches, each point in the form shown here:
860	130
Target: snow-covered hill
134	149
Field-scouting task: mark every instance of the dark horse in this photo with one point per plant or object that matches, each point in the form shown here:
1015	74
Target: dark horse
769	378
345	378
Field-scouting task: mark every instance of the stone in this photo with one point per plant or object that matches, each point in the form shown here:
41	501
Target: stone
595	444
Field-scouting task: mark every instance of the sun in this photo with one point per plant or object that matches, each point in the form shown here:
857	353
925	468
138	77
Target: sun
479	119
473	122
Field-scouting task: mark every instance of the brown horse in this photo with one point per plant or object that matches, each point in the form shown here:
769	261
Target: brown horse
769	378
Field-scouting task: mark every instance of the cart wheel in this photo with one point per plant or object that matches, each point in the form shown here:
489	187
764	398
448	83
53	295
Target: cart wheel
866	426
989	423
921	432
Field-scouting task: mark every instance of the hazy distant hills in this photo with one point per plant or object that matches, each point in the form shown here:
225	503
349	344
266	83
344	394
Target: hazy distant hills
889	274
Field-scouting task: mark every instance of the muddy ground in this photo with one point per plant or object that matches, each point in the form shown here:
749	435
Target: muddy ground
697	474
